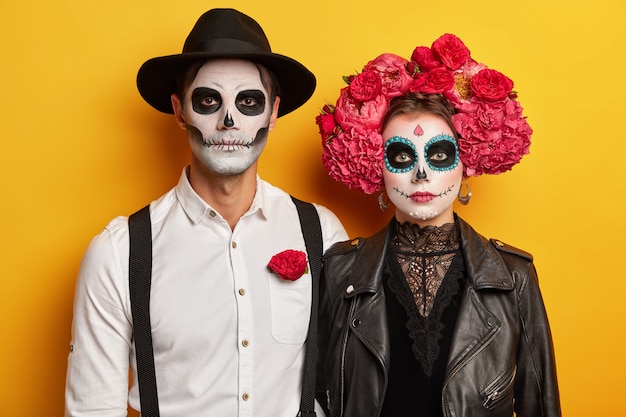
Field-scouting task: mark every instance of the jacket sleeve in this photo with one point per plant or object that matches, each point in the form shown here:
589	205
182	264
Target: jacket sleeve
536	387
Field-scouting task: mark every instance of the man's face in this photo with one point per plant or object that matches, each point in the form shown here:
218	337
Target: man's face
422	172
227	115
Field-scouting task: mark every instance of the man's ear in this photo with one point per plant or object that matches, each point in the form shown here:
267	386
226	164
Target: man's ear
178	111
274	115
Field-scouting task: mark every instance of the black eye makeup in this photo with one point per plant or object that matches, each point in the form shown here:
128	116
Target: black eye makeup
441	153
250	102
400	155
206	100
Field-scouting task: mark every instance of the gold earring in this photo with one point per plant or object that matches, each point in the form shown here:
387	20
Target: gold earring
464	199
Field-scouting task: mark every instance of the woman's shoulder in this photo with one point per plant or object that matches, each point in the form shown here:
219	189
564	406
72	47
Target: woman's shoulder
345	247
506	249
371	245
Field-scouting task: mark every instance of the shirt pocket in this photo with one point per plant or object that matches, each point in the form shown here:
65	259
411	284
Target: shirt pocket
290	305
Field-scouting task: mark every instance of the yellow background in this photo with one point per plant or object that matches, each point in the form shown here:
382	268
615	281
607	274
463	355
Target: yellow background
79	146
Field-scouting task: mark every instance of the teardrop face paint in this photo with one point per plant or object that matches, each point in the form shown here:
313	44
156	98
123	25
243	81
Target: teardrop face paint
422	172
227	116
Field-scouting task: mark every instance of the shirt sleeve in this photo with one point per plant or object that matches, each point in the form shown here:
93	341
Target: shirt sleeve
98	363
332	229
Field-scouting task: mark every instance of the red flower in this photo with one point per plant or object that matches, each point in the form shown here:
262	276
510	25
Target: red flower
491	85
433	82
326	122
365	86
425	58
289	264
451	50
362	116
393	74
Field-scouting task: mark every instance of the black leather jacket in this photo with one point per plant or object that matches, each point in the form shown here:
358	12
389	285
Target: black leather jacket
501	357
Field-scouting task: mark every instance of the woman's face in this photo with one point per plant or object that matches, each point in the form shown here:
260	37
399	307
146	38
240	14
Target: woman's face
422	171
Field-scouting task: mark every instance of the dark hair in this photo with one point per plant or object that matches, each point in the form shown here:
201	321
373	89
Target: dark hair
418	103
184	80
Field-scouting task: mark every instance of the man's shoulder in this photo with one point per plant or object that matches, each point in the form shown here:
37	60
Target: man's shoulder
332	229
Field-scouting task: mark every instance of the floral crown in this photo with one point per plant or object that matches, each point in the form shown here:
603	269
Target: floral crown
493	134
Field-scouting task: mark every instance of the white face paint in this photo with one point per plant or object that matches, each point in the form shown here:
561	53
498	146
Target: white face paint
422	171
228	115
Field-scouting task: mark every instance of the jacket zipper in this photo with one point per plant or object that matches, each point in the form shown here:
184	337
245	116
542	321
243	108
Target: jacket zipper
494	396
461	365
344	348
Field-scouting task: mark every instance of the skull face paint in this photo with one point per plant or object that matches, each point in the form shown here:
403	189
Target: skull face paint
227	116
422	172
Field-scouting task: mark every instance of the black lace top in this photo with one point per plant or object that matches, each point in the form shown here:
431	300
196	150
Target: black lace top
423	282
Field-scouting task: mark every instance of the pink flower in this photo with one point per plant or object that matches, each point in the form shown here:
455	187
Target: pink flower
289	264
365	86
355	159
393	74
495	136
451	51
433	82
362	116
491	85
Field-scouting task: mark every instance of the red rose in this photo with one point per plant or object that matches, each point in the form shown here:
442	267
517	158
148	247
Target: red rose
354	114
326	122
425	58
289	264
393	74
365	86
491	85
451	51
433	82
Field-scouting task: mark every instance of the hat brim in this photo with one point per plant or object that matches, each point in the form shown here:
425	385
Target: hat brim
156	79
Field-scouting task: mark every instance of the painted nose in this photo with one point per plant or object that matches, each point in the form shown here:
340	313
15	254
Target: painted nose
228	120
421	174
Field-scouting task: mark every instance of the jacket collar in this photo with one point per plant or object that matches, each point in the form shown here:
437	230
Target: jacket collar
484	265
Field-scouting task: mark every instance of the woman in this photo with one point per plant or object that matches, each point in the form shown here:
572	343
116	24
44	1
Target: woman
427	317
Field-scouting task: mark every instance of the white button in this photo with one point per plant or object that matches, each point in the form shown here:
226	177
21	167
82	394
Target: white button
350	289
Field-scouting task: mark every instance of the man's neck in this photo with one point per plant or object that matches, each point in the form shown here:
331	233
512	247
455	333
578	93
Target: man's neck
231	195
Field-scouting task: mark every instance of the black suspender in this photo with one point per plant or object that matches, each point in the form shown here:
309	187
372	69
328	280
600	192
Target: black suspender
140	275
312	232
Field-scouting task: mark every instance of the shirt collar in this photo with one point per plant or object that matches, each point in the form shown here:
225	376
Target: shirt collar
196	208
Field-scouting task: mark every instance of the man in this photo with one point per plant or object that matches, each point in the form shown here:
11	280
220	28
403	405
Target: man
228	333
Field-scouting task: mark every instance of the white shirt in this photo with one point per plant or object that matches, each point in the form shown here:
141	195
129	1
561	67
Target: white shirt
228	334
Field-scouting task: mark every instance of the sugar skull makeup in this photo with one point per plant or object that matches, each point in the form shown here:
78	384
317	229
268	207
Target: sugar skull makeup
228	116
440	153
422	172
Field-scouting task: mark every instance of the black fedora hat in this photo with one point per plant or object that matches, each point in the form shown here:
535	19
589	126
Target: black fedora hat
225	33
